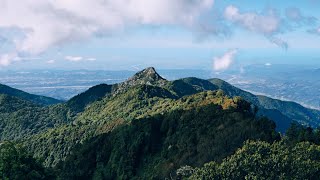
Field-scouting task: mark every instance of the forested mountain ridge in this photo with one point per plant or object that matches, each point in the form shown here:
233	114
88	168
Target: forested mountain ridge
20	118
78	108
41	100
282	112
146	127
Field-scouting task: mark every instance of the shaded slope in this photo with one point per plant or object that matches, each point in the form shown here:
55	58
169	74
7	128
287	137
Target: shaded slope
95	93
292	110
189	86
41	100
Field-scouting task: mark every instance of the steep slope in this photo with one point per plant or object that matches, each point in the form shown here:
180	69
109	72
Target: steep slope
95	93
294	111
148	76
290	111
41	100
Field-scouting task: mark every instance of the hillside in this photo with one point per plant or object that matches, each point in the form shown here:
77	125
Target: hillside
282	112
154	147
106	115
20	118
41	100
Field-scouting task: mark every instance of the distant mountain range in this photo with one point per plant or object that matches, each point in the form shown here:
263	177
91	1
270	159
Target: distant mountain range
143	124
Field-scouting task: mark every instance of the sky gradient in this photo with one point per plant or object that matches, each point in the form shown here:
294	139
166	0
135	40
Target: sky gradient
133	34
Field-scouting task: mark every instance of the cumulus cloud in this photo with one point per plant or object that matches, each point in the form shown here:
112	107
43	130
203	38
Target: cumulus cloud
49	23
265	24
225	61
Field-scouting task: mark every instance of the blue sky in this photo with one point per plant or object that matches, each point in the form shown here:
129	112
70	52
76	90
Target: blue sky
201	34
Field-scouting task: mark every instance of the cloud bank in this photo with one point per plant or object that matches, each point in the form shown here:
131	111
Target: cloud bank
34	26
44	24
224	62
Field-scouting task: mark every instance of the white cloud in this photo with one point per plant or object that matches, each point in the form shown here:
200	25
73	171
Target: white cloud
51	61
91	59
79	58
49	23
265	24
268	24
225	61
268	64
73	58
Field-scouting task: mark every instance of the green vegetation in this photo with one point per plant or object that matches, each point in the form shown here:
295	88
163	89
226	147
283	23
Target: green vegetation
20	118
297	133
261	160
282	112
104	116
78	103
154	147
151	128
16	164
40	100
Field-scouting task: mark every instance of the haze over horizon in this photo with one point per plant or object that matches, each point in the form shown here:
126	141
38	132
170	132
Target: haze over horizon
117	35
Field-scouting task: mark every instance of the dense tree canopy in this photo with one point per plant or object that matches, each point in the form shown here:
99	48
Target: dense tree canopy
154	147
16	164
262	160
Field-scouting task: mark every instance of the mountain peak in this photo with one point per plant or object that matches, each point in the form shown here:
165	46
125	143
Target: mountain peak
148	76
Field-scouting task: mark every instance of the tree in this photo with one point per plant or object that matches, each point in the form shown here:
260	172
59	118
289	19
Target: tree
261	160
15	163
